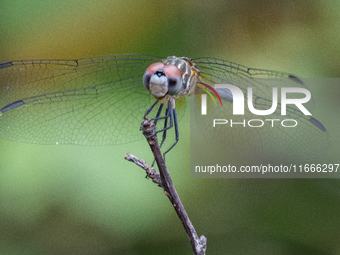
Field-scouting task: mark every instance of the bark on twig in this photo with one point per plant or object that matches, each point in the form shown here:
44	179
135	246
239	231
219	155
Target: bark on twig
163	179
150	171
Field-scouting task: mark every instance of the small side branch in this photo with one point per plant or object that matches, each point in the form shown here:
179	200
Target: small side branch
150	171
163	179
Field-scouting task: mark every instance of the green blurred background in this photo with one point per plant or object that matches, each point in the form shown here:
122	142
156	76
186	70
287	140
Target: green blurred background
89	200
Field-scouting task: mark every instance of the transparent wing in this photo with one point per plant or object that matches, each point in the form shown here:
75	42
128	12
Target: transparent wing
309	139
90	101
218	71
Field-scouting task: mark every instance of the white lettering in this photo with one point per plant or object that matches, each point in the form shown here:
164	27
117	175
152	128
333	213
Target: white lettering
261	112
297	102
262	123
219	122
272	121
238	100
289	120
244	123
252	122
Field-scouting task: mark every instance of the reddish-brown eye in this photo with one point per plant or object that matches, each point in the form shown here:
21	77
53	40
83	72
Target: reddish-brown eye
151	70
175	82
171	70
154	67
172	77
146	80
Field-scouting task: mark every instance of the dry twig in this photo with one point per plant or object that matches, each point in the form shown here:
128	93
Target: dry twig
163	179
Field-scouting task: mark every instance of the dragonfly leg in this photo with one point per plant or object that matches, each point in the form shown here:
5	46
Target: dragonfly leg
176	131
158	113
166	126
150	109
168	114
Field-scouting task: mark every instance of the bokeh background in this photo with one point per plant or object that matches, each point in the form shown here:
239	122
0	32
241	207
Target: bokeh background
89	200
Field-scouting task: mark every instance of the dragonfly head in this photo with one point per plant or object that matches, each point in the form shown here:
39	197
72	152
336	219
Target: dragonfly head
162	80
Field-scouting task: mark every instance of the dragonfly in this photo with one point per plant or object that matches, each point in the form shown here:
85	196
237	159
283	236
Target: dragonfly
100	100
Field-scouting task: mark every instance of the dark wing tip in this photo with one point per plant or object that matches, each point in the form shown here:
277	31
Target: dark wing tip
5	64
294	78
318	124
12	106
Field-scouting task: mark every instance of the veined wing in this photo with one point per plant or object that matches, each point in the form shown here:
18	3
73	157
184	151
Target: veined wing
219	71
309	139
89	101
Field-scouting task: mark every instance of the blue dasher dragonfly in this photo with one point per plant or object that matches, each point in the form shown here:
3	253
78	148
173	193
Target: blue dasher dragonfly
101	100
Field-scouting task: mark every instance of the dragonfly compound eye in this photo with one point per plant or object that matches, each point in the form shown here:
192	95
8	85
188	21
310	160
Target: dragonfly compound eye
174	85
146	80
152	69
174	79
